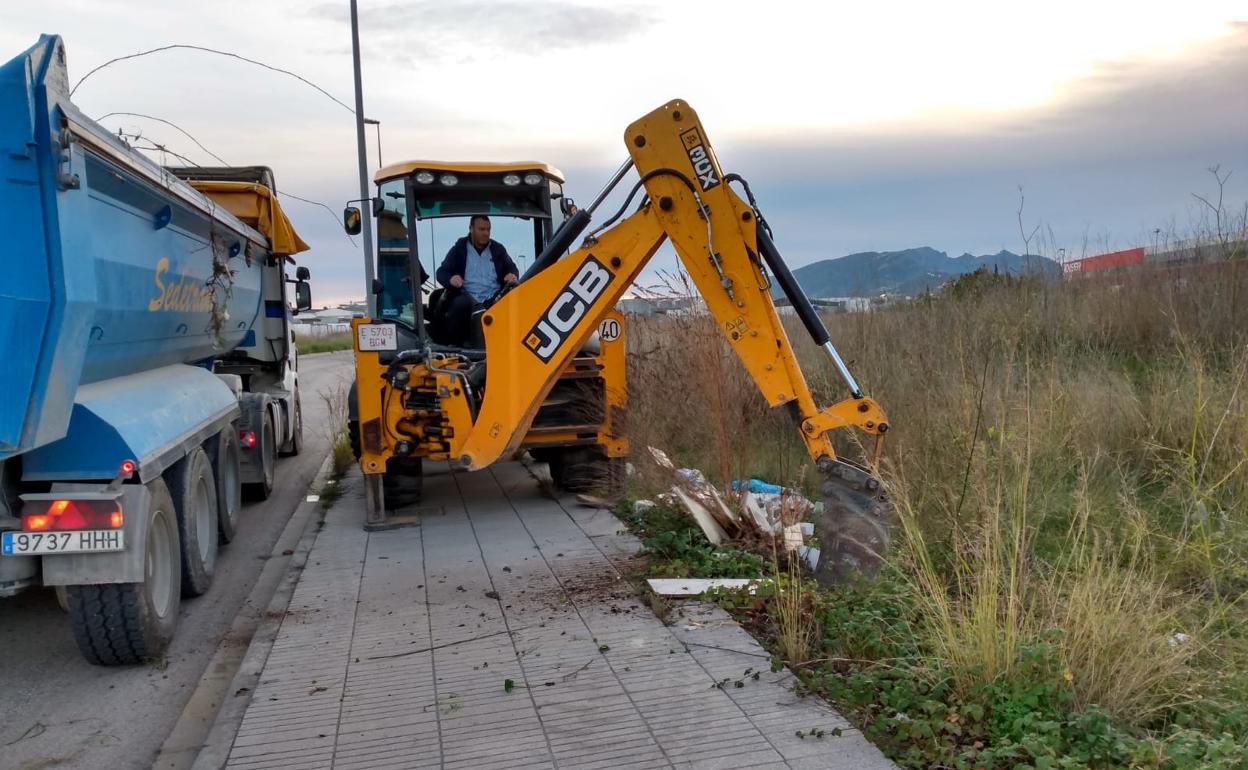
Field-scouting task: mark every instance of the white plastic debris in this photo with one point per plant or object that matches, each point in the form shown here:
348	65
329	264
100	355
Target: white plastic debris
793	537
1178	638
697	586
313	498
641	506
810	556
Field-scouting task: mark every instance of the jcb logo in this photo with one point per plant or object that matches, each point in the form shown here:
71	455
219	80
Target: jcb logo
552	328
700	158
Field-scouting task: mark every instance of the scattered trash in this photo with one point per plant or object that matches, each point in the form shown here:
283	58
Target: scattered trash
641	506
313	498
701	499
698	586
810	556
710	527
1178	638
793	537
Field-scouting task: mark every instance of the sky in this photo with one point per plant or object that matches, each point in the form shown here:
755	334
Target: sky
861	126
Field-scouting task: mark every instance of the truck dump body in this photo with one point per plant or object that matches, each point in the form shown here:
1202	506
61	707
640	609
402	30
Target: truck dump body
113	266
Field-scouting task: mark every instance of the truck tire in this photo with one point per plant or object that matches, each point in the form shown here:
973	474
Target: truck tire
261	490
296	436
194	494
229	485
126	623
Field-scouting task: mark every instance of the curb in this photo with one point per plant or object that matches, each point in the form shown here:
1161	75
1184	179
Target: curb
217	700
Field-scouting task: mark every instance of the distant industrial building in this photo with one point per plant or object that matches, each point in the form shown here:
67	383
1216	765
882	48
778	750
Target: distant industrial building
1192	251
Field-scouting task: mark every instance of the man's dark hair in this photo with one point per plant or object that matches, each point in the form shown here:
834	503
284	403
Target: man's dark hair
474	219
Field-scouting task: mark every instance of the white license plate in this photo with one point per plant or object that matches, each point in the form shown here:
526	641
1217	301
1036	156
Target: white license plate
378	337
79	541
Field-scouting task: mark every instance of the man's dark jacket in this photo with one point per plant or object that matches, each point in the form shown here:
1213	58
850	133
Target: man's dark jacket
457	260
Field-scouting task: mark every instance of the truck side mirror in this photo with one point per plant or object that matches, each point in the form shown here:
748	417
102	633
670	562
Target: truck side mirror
567	206
303	296
351	220
302	273
378	206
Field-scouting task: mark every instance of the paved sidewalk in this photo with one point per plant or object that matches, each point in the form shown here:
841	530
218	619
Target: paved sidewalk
397	647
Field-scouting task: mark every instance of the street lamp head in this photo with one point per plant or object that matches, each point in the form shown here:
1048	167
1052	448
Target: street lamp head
371	122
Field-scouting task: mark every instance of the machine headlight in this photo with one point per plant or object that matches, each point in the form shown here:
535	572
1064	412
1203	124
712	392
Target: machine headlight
532	179
424	177
450	180
511	180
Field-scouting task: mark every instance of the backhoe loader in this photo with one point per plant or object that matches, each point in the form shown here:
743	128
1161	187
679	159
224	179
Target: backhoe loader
544	372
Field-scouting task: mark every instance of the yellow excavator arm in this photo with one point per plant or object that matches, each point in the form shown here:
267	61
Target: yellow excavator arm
534	330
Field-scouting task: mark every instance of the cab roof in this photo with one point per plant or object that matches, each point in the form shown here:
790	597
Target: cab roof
466	167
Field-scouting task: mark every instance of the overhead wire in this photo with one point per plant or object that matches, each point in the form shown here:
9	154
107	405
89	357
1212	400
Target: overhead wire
205	49
164	148
170	123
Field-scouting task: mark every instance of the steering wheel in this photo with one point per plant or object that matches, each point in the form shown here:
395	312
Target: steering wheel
500	293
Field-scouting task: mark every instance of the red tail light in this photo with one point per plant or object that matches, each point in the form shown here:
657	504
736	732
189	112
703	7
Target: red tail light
75	514
247	438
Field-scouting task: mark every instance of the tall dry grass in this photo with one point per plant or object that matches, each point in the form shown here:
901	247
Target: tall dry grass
1064	457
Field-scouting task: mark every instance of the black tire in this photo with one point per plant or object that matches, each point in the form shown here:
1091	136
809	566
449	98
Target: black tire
229	484
127	623
587	469
260	490
194	494
353	436
296	437
403	482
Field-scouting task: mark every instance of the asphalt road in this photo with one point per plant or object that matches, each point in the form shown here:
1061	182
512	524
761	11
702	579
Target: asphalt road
58	711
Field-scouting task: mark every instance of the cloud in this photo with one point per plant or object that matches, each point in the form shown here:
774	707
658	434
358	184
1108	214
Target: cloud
459	31
1118	153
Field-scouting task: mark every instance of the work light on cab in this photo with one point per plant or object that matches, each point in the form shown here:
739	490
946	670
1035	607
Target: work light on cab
511	180
532	179
424	177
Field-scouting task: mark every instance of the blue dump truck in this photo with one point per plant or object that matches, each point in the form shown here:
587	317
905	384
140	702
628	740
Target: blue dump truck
150	369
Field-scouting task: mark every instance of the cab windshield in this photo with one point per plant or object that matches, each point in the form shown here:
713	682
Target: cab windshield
443	216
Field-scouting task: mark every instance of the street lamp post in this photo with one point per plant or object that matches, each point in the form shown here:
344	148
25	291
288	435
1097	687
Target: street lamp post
377	123
370	299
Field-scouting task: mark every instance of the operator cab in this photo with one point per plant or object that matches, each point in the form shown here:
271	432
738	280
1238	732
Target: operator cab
424	207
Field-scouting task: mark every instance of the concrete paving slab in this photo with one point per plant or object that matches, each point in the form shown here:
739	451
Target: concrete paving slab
398	646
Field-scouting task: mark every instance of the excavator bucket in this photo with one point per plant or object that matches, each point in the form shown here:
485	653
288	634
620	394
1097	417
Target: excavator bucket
853	529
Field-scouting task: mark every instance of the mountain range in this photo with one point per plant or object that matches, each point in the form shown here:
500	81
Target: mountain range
908	272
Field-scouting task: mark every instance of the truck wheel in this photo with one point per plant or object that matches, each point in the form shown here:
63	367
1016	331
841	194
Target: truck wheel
195	499
126	623
229	487
296	437
261	490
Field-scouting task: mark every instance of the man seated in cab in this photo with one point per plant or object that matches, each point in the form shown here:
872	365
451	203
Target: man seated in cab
474	270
